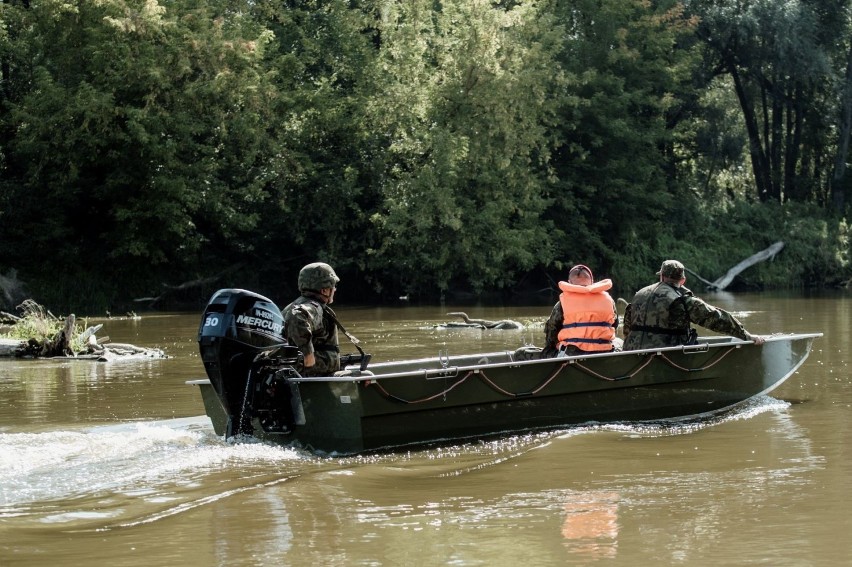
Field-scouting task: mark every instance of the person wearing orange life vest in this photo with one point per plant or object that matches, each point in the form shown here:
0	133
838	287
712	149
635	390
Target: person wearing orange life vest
584	319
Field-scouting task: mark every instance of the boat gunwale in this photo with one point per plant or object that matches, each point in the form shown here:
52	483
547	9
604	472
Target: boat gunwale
704	344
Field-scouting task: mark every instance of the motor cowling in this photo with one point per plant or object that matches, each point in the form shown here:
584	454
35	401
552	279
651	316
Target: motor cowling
241	340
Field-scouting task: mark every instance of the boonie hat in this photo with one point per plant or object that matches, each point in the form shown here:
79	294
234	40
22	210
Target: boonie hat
671	269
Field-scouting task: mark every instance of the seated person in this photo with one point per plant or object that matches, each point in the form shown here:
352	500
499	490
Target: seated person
661	313
584	319
309	322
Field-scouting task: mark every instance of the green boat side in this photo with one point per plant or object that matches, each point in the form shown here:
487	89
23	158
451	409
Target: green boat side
442	399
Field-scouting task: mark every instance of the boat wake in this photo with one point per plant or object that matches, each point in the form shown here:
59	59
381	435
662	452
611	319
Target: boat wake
751	408
41	472
120	475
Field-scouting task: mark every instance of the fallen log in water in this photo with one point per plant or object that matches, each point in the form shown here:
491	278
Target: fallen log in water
483	323
95	349
9	347
721	283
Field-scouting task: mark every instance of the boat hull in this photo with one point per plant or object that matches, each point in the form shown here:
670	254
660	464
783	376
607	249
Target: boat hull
483	395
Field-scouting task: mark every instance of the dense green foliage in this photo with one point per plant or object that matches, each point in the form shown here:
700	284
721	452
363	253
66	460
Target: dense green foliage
421	147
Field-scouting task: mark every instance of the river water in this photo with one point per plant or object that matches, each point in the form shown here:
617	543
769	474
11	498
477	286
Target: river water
108	464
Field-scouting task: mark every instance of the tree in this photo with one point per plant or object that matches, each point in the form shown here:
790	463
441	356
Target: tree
139	135
779	57
466	98
321	175
617	182
839	182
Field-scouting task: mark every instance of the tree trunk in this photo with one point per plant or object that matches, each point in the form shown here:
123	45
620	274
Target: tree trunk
838	189
797	185
61	344
759	165
766	254
775	106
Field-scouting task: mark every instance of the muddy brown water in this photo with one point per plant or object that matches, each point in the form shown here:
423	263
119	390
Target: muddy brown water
115	464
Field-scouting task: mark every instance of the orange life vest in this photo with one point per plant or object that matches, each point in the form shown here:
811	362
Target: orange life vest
588	316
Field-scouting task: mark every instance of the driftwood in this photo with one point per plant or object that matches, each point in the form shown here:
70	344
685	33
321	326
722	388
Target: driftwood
724	281
89	333
62	344
10	347
483	323
95	349
119	351
8	318
59	345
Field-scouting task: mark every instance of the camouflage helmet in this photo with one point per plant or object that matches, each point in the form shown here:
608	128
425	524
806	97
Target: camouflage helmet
317	276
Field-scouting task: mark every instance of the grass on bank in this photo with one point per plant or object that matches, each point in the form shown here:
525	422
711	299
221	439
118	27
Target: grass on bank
40	324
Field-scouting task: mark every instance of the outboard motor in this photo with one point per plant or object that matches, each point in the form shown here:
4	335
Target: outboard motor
249	362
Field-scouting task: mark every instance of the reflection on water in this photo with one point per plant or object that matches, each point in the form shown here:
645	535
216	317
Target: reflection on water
50	391
591	523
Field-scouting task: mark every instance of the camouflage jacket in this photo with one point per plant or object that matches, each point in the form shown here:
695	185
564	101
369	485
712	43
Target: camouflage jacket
661	313
308	326
551	331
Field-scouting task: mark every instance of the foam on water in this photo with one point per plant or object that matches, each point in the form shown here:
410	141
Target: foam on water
74	476
127	458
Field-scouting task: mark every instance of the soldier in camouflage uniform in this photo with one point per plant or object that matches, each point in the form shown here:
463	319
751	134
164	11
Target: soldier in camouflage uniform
311	325
660	314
